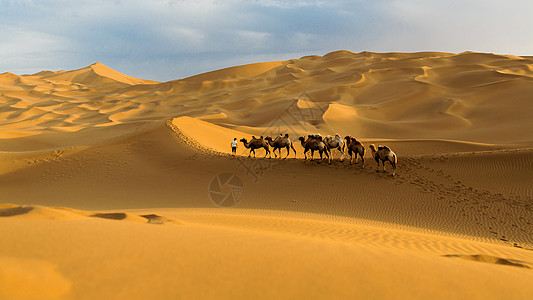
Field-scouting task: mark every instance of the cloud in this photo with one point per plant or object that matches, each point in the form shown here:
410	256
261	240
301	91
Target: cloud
178	38
25	48
284	4
478	25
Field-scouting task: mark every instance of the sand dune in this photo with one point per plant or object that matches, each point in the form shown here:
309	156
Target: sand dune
110	184
394	95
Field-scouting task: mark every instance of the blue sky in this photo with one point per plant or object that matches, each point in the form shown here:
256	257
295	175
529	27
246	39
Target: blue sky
171	39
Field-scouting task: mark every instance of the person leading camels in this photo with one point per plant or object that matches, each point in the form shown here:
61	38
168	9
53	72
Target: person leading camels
256	143
234	147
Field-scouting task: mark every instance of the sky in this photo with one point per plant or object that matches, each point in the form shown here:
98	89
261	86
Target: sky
171	39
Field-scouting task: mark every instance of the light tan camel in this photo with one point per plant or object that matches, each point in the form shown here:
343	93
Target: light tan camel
383	154
355	147
281	141
256	143
314	143
335	142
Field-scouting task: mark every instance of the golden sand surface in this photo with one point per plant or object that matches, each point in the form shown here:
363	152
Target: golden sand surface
115	187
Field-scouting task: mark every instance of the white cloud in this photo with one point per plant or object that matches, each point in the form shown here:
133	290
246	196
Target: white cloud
284	4
189	38
171	33
478	25
26	51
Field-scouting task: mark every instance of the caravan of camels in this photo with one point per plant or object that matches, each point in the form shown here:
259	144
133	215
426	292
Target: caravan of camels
324	146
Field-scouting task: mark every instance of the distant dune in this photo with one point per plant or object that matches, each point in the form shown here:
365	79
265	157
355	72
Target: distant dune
118	187
468	96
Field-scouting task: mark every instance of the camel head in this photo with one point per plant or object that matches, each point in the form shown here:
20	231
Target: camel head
286	135
372	147
302	139
243	140
268	138
338	136
348	138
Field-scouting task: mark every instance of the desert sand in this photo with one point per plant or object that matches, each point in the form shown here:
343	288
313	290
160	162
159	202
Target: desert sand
115	187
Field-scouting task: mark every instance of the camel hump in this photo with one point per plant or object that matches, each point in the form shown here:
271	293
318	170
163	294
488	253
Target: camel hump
315	136
286	135
381	147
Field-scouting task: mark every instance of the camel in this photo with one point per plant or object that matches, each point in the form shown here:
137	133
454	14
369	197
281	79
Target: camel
335	142
256	143
356	147
281	142
314	142
384	153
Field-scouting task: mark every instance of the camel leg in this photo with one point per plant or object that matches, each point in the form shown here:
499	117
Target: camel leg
253	150
312	155
305	154
393	168
268	152
288	151
377	160
342	154
292	147
363	160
